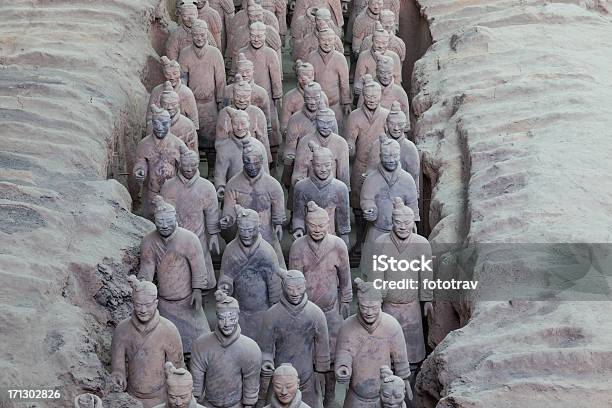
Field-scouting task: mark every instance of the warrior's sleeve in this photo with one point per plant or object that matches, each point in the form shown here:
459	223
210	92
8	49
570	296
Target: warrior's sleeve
366	44
201	277
147	260
358	34
229	202
278	202
149	115
322	357
399	354
266	339
368	193
223	125
343	269
300	168
276	77
273	280
397	65
172	47
425	295
221	168
285	113
219	68
118	354
226	280
191	109
174	348
251	369
198	368
211	211
352	132
262	133
295	259
291	137
192	140
411	198
141	159
281	15
265	108
215	29
343	170
345	88
184	64
360	71
299	209
344	356
343	218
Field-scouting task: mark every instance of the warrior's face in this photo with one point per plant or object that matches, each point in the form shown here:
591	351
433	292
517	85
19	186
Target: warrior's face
325	125
389	158
285	388
252	163
187	15
173	75
322	167
371	97
384	76
247	74
189	167
380	43
392	397
242	99
240	126
248	233
227	322
255	16
294	290
402	225
388	25
395	126
144	307
317	228
200	3
199	37
178	399
369	310
161	126
171	105
312	100
375	6
305	76
326	41
322	22
257	39
165	222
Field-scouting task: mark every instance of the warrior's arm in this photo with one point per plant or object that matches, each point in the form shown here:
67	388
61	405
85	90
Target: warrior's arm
343	218
321	343
174	348
219	68
425	295
211	211
198	368
277	199
147	261
251	371
201	277
344	277
399	354
118	355
345	87
299	209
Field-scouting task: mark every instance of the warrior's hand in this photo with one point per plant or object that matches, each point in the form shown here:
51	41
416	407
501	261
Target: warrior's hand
278	230
119	380
343	374
345	309
345	238
139	175
213	244
221	192
298	233
408	390
196	299
428	310
346	109
370	214
225	222
267	368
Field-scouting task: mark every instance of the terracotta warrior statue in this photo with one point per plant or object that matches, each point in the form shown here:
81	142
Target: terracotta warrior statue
226	364
364	22
387	181
257	190
179	385
87	400
295	331
172	73
141	345
392	389
366	341
300	27
300	124
204	73
286	388
395	126
359	6
364	126
181	36
279	9
268	75
334	6
174	256
249	272
390	91
366	63
241	19
331	71
293	101
229	158
225	8
389	22
405	304
325	190
311	41
241	100
213	20
195	201
181	126
324	260
157	158
324	135
259	96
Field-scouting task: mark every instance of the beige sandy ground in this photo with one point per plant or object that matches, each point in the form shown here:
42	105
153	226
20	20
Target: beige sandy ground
70	89
514	117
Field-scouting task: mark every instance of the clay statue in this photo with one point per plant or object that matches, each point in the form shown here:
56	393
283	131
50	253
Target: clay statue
325	190
249	272
259	96
241	100
295	331
364	125
395	126
213	20
229	158
181	36
388	20
334	6
226	364
174	255
268	75
403	244
293	101
359	7
286	388
366	63
195	201
172	73
225	8
257	190
241	21
390	91
366	341
364	23
279	9
392	389
179	386
310	42
181	126
157	158
141	345
87	401
387	181
331	72
300	27
324	260
323	136
299	125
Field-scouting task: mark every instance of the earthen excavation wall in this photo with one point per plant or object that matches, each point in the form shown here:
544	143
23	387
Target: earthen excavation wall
71	94
514	118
